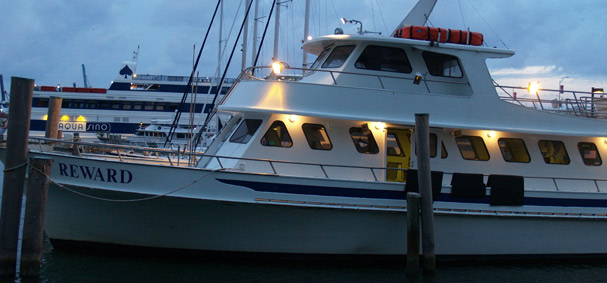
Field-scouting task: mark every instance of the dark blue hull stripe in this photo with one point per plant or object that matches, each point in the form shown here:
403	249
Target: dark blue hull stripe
398	195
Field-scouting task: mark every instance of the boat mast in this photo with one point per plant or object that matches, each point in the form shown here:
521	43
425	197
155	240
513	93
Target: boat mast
276	30
245	38
86	81
254	49
220	34
2	88
418	15
306	34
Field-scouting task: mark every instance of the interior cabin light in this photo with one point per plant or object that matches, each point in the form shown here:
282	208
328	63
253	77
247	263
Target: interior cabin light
277	67
533	87
490	134
380	126
292	118
418	78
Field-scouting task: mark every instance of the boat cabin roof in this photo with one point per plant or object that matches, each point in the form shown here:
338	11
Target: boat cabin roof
317	45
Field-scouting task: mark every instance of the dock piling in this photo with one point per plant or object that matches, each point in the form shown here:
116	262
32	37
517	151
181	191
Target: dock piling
20	106
422	139
35	208
413	200
52	121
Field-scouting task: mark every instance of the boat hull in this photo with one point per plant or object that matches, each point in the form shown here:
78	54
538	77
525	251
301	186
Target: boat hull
203	210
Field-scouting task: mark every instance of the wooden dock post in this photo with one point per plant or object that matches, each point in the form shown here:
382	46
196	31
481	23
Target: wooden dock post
14	173
422	140
35	211
52	121
413	200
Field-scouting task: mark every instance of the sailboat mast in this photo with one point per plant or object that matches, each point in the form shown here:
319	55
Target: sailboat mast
276	30
254	49
245	37
220	35
306	33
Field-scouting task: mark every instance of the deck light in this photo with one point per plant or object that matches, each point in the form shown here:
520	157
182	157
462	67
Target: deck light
65	118
490	134
81	119
309	37
418	78
596	90
45	117
292	118
533	87
380	126
276	67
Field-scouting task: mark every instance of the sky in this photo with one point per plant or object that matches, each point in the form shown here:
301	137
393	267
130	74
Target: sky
49	40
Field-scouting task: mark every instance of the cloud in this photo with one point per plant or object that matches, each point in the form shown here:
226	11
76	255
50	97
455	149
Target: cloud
526	71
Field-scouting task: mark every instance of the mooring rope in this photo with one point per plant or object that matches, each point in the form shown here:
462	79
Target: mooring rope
123	200
16	167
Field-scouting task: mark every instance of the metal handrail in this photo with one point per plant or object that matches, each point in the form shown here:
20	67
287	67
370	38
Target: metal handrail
272	162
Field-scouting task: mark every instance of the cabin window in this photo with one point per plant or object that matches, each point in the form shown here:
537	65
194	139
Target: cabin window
317	136
91	104
393	145
363	140
160	106
78	104
149	106
338	56
433	145
277	135
554	152
126	105
115	104
319	59
104	104
442	65
42	102
381	58
245	131
589	154
514	150
472	148
137	106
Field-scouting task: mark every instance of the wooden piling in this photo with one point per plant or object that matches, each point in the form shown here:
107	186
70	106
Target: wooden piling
422	139
35	208
413	200
52	121
14	173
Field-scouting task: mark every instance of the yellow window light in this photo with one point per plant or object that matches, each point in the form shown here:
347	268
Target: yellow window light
65	118
45	117
81	119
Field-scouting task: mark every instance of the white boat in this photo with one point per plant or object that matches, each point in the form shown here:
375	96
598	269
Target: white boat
316	167
131	100
155	135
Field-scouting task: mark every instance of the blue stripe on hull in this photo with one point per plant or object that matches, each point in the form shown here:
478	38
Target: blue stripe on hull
399	195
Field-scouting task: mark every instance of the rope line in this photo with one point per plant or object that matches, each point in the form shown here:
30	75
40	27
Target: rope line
123	200
16	167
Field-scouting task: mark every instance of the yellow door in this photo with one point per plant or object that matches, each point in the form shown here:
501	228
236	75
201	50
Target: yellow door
398	150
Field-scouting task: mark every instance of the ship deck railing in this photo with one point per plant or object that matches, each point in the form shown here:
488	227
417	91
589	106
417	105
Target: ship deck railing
181	157
566	102
147	77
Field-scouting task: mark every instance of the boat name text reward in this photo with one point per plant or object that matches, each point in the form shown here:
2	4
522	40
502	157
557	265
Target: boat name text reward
108	175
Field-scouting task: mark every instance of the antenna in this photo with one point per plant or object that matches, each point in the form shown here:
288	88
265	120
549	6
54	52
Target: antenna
136	54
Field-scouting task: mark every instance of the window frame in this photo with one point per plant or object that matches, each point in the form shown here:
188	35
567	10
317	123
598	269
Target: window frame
471	139
244	139
333	52
425	56
372	144
514	155
568	161
308	136
286	134
598	154
369	54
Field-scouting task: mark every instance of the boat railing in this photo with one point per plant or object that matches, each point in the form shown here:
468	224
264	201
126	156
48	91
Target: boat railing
181	157
297	74
565	102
